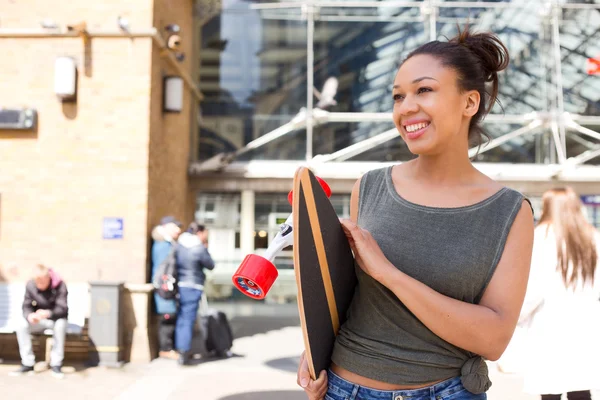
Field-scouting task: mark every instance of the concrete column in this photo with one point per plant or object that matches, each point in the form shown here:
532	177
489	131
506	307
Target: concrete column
140	334
247	222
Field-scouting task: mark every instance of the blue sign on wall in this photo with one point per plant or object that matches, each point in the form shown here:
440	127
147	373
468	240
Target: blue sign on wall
112	228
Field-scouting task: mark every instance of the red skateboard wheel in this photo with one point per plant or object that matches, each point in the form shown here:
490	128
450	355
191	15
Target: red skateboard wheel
324	185
255	276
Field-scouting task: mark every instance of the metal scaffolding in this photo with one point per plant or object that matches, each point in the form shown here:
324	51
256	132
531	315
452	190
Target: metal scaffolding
549	126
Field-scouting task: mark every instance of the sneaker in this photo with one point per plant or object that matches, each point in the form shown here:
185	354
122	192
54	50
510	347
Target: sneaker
57	373
184	359
24	370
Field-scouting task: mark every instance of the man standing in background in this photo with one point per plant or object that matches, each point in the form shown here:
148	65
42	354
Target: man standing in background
192	259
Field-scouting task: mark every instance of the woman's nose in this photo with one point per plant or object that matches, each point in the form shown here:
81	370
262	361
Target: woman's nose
408	106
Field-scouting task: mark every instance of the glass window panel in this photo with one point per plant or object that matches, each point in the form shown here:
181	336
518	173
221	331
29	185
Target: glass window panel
390	151
253	75
291	146
341	205
337	136
361	49
579	41
218	210
591	205
266	204
284	207
521	149
523	84
578	143
261	240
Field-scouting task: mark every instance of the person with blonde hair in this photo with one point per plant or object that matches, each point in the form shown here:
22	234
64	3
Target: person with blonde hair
164	238
562	309
44	307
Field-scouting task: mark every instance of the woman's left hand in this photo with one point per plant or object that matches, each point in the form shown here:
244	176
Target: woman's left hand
366	251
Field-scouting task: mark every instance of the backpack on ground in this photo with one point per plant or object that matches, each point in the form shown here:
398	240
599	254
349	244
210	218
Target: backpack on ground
219	338
213	336
165	276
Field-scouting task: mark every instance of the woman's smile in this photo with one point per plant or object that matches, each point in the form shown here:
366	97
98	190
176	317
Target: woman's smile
414	129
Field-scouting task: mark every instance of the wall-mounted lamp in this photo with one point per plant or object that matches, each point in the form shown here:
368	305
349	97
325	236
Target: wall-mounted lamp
173	94
65	79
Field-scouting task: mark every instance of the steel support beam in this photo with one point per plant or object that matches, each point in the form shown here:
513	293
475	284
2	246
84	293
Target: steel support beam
531	128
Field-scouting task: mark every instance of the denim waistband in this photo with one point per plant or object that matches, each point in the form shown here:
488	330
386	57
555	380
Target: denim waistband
346	389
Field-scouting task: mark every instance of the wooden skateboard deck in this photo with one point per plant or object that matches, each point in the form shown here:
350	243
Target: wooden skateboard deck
324	267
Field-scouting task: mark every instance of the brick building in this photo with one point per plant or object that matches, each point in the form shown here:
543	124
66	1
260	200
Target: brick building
113	153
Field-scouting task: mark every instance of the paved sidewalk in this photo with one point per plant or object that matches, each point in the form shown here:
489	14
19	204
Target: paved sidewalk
91	383
263	368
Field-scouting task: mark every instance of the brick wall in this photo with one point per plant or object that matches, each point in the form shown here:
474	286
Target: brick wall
170	132
98	158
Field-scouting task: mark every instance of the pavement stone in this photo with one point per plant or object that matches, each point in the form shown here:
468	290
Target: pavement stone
263	368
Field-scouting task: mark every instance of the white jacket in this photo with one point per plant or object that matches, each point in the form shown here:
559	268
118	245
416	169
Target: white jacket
562	344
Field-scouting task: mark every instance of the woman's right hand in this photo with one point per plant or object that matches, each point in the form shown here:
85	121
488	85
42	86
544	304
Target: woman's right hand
315	390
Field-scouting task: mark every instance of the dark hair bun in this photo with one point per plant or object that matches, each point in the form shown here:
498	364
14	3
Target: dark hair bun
488	48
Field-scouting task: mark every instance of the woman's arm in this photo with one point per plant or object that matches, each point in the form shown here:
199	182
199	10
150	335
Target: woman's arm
354	201
485	328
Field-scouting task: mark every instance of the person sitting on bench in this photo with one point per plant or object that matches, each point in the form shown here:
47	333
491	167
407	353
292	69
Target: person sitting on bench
44	307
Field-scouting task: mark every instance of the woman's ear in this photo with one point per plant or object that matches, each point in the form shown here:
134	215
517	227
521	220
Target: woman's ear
472	103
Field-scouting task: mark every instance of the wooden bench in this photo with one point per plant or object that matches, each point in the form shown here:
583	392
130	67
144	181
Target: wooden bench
11	310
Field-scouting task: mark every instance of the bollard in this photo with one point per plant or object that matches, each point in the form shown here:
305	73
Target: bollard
106	321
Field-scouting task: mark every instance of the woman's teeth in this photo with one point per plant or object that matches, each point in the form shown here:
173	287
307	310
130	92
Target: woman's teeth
416	127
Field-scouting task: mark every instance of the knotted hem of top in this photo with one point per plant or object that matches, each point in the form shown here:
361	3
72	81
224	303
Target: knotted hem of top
474	375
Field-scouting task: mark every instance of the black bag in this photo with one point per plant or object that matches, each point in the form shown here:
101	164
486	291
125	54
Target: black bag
165	276
217	332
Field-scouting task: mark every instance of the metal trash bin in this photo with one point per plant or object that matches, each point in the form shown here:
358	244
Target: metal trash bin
106	321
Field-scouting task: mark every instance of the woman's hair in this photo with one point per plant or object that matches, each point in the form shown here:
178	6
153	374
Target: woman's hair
575	236
195	227
477	58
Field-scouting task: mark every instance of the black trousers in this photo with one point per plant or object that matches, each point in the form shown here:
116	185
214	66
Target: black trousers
166	332
581	395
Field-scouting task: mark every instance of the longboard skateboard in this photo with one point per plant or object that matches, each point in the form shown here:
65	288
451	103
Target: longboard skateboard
324	267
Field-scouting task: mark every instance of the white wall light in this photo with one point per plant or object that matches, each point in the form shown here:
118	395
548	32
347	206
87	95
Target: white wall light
173	94
65	79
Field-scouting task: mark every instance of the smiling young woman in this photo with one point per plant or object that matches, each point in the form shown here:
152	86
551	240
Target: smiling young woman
442	251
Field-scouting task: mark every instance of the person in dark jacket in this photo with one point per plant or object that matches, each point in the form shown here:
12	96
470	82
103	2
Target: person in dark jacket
192	259
164	237
44	307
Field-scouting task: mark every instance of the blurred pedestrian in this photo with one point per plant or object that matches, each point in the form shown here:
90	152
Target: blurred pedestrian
562	307
165	236
192	259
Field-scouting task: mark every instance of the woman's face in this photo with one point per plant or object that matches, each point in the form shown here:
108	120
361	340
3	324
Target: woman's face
429	109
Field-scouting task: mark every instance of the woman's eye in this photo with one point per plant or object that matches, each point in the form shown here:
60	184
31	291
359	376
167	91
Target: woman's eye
398	97
423	90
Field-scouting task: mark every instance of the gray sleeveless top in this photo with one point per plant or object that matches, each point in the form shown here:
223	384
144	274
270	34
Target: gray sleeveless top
452	250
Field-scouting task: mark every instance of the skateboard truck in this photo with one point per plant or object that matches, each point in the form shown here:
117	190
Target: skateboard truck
256	274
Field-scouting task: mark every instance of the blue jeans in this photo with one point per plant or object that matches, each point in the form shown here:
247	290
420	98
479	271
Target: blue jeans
451	389
189	299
